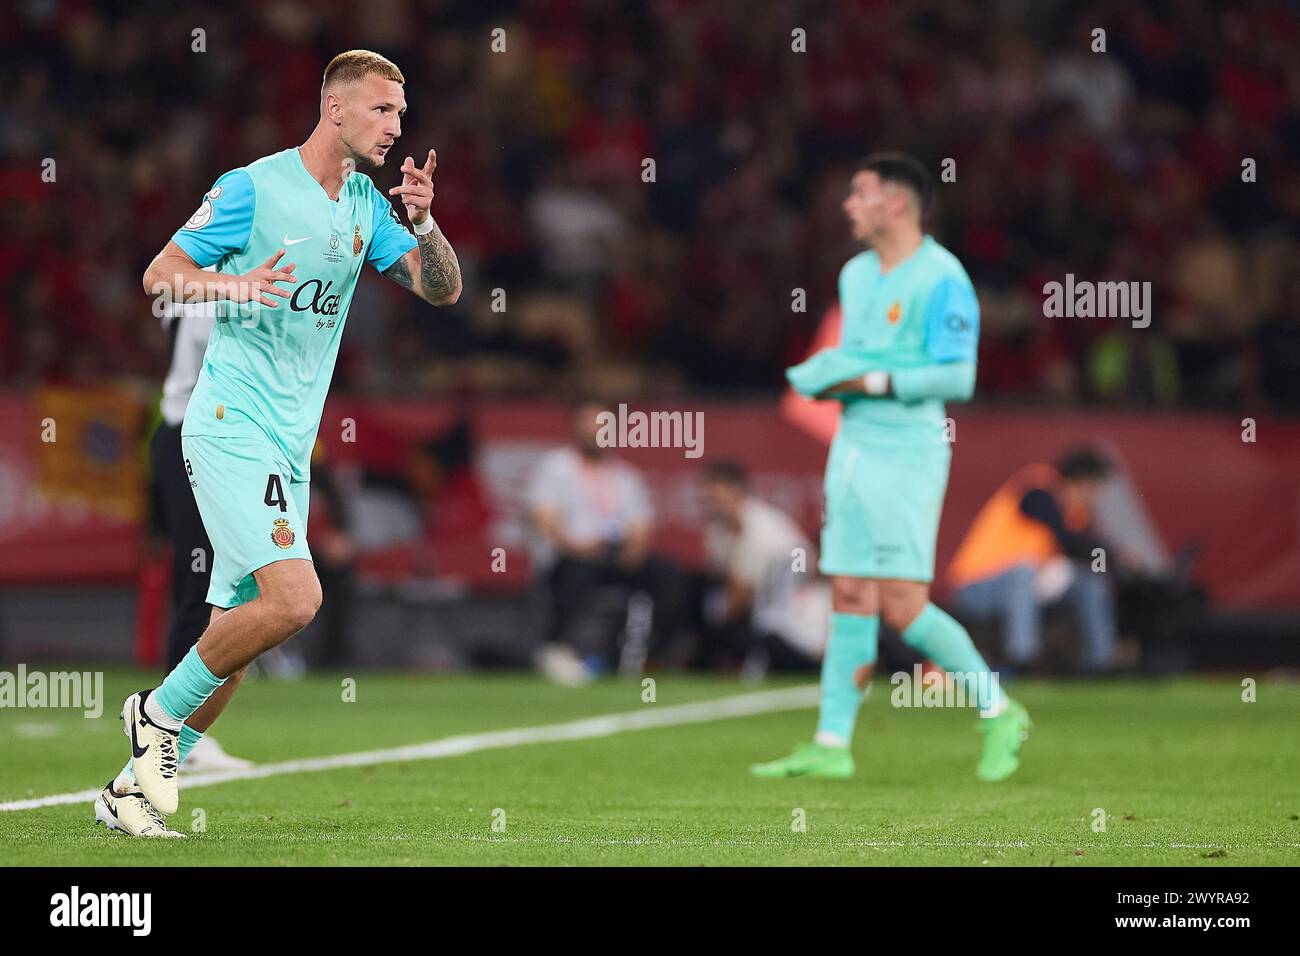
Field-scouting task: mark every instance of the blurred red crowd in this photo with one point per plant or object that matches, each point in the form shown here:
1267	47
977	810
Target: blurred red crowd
1169	157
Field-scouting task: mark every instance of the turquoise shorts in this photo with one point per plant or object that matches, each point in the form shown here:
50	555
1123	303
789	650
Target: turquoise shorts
253	513
883	503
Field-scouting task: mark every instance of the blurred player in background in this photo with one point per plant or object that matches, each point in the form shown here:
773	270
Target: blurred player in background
188	327
252	420
177	517
768	608
907	343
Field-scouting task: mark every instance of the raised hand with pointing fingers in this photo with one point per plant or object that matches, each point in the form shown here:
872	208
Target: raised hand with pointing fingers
431	269
417	188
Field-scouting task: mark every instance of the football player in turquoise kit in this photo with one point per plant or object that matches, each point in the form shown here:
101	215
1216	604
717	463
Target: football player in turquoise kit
908	341
288	236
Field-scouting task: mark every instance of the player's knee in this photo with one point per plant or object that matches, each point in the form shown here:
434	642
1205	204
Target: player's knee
298	607
898	611
853	596
308	605
298	614
850	604
895	617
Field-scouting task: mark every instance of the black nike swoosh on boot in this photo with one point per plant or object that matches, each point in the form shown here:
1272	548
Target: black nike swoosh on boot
136	750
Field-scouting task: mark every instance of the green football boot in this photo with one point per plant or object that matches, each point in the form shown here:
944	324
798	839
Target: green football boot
1003	736
809	760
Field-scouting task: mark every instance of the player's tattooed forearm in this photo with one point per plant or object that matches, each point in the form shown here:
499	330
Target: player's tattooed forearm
400	274
439	267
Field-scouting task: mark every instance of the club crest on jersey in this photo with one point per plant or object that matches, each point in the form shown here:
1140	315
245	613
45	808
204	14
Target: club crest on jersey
895	313
357	241
283	534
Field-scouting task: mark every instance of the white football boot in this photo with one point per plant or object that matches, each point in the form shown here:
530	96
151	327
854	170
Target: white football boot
208	755
561	664
125	808
153	753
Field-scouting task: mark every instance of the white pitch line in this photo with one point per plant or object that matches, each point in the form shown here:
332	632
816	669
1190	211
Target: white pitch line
743	705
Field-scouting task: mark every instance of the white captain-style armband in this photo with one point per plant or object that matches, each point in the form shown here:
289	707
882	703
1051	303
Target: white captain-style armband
425	227
876	383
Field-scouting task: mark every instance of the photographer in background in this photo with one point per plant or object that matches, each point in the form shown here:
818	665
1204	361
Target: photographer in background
1030	548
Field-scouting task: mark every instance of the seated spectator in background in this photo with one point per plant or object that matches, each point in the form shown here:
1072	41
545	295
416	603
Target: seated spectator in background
334	554
768	606
1031	547
594	516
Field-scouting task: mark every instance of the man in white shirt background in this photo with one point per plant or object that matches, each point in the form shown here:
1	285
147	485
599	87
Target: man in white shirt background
763	600
594	517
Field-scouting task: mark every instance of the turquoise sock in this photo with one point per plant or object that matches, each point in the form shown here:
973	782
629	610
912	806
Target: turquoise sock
852	645
184	690
935	635
189	737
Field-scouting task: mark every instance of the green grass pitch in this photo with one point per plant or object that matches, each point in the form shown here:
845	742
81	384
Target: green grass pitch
1185	772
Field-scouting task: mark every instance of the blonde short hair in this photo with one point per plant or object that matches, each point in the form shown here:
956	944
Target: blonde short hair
357	65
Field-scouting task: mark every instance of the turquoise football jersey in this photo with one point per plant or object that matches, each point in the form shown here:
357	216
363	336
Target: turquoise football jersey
267	371
922	312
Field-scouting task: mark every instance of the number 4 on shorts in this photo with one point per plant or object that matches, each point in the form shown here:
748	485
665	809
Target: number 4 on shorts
275	493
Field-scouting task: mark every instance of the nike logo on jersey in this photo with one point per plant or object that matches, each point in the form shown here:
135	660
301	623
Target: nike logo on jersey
294	242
